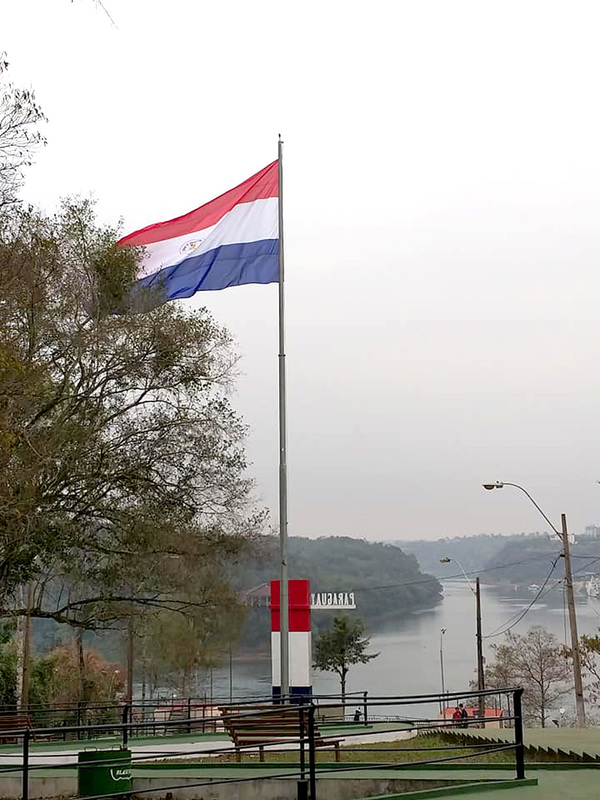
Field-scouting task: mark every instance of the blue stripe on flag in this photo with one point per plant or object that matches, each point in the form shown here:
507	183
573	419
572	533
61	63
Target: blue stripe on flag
228	265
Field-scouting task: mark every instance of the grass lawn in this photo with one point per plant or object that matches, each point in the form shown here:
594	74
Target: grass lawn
418	748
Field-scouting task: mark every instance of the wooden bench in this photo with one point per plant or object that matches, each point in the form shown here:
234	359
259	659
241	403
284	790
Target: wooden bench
13	721
264	725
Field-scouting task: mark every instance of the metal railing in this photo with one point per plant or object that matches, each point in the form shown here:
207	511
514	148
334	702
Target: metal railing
82	720
302	720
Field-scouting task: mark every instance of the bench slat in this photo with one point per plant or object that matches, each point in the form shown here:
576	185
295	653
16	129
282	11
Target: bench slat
249	728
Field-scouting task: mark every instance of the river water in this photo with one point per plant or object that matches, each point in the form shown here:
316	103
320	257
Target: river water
409	649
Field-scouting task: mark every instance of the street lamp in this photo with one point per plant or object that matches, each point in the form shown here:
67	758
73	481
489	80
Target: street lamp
563	535
446	560
443	703
479	637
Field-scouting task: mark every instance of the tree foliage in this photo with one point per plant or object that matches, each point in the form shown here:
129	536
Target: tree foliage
20	137
589	653
58	673
341	647
174	648
119	449
536	661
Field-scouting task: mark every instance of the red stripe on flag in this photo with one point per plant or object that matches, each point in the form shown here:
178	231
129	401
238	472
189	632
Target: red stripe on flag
261	186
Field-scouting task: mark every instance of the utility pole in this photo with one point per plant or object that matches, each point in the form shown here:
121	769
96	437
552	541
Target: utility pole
563	535
480	672
129	689
573	625
443	700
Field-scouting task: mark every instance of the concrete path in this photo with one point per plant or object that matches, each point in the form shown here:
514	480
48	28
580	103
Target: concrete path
173	747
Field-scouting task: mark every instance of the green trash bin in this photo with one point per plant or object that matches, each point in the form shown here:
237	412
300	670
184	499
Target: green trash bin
103	772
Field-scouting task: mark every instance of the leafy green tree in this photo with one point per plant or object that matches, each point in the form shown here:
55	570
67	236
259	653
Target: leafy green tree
119	449
178	646
341	647
8	667
173	647
56	679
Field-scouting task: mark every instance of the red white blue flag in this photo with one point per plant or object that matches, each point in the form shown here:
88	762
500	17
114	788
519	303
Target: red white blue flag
230	241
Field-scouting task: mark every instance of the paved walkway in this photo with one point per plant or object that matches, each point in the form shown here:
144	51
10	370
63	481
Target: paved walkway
184	746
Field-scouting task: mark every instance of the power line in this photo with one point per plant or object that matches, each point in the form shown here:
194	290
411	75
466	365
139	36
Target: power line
583	555
541	593
441	578
585	566
521	614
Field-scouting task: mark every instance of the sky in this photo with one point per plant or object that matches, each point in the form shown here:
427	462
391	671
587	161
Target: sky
441	201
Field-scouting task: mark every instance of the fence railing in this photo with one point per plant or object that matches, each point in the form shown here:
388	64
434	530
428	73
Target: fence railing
82	720
294	727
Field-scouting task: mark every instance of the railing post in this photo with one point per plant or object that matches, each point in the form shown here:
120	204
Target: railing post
79	718
125	729
519	746
365	708
312	772
302	759
189	714
25	789
302	783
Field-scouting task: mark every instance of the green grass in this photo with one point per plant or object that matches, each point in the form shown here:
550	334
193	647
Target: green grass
405	751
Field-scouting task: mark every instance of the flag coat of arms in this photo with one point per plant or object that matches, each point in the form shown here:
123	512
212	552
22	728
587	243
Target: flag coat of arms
230	241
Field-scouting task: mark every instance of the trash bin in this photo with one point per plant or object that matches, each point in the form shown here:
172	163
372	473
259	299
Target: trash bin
103	772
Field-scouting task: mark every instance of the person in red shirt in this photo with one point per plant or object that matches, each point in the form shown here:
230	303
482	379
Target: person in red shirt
457	716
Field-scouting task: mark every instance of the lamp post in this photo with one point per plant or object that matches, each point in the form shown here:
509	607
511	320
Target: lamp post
443	703
563	535
479	637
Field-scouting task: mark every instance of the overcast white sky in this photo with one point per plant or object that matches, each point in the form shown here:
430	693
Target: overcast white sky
442	194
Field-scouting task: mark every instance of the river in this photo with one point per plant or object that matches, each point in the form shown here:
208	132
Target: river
409	650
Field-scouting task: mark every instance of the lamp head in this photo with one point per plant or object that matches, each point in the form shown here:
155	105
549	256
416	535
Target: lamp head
445	560
490	486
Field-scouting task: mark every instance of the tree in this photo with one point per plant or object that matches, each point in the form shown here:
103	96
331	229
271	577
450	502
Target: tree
175	646
535	661
56	679
119	450
341	647
20	116
8	666
589	652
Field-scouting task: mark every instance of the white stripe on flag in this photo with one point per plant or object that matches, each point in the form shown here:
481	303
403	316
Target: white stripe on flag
246	222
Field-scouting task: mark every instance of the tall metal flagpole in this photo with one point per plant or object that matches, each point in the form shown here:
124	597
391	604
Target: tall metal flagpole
283	522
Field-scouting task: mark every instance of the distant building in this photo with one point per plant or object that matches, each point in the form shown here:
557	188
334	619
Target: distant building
591	533
258	597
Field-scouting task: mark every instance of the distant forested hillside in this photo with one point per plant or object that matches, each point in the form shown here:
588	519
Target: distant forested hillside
473	552
528	557
387	582
530	561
